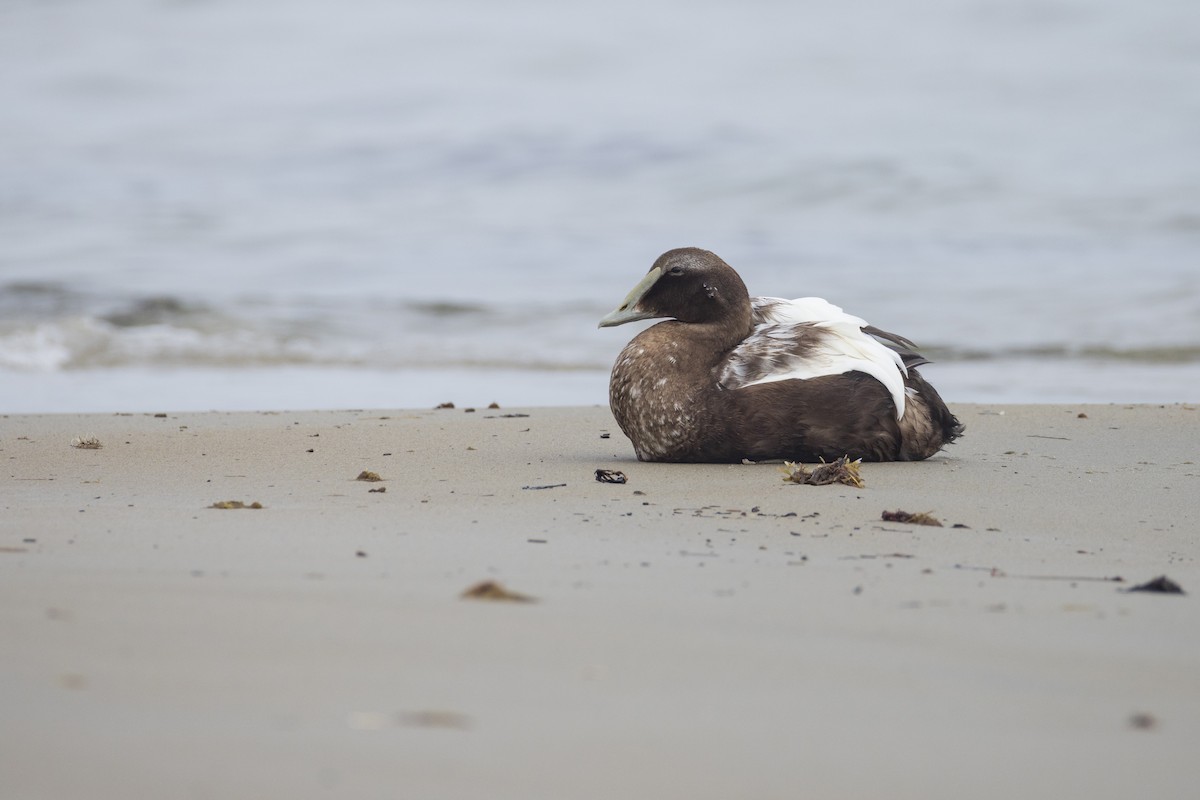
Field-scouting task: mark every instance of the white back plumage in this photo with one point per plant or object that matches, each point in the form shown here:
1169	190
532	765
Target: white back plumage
809	338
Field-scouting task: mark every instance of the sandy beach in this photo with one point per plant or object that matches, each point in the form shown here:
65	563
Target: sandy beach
697	632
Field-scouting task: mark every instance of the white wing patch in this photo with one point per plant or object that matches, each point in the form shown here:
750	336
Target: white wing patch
810	338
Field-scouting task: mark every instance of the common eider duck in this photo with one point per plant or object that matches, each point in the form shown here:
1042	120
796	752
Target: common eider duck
730	377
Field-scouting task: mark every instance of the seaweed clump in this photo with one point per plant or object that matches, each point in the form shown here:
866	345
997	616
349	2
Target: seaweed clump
917	518
841	470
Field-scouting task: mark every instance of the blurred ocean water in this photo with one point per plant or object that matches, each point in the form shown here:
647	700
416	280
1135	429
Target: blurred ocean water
302	204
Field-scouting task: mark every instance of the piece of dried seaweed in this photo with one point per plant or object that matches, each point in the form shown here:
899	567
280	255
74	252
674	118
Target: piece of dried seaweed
380	490
367	475
491	590
226	504
1160	585
917	518
610	476
841	470
434	719
86	443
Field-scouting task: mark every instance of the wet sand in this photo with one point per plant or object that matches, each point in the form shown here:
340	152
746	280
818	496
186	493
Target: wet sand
700	631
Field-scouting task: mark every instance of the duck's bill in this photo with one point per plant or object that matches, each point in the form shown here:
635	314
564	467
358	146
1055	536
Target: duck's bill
628	311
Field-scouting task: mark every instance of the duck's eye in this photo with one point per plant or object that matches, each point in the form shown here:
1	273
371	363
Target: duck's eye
676	271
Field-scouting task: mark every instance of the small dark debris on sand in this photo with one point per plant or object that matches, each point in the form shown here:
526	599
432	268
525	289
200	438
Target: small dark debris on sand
544	486
493	404
919	518
367	475
434	719
491	590
380	490
843	470
1142	721
1160	585
235	504
610	476
444	405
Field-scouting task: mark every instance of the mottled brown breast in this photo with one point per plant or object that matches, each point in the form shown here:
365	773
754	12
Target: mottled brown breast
661	394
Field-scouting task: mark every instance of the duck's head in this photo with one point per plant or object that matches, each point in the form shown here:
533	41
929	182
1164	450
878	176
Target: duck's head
690	285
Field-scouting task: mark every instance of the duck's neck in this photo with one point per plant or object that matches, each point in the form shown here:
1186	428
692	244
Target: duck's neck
720	336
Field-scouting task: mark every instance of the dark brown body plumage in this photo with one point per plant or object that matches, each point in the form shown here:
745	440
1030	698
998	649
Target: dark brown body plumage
667	396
